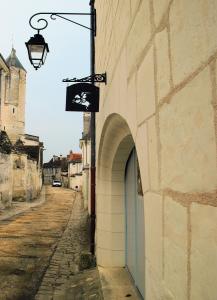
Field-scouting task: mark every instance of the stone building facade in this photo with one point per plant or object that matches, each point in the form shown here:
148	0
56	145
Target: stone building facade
56	168
156	137
20	154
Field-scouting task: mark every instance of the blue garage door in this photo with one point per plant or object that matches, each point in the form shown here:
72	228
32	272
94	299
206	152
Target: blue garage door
135	254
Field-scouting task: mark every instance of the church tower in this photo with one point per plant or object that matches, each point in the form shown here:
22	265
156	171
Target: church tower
13	104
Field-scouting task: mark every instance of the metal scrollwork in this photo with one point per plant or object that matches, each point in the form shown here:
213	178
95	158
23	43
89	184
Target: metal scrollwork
92	78
38	28
53	16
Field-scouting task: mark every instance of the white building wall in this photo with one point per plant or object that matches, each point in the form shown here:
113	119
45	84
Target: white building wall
160	59
76	183
75	180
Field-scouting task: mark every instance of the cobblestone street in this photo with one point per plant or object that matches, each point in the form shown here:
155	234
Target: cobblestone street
40	251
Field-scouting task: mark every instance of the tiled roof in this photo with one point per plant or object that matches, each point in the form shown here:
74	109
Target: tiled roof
74	156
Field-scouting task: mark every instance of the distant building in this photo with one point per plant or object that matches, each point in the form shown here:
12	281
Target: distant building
75	170
54	169
66	169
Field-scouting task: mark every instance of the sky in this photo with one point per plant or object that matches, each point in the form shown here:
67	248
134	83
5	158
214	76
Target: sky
69	57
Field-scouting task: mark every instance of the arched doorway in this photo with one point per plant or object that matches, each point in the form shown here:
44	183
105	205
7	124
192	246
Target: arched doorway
134	205
112	223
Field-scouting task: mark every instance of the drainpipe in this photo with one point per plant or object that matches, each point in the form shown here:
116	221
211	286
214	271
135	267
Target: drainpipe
93	136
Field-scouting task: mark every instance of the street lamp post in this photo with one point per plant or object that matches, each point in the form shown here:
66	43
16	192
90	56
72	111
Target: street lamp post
37	51
93	142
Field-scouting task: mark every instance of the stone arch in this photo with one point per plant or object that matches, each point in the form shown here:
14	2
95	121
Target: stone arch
115	146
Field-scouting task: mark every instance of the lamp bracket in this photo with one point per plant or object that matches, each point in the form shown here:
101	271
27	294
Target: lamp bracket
100	78
54	15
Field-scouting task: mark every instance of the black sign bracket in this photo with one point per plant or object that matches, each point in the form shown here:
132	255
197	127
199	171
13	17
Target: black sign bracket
98	78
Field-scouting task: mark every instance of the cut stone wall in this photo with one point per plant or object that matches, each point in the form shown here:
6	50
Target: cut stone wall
160	58
20	179
6	180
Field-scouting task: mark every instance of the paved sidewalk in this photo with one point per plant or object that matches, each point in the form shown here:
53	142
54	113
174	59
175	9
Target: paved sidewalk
65	278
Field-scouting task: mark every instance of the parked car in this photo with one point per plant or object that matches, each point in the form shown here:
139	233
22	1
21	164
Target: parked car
56	182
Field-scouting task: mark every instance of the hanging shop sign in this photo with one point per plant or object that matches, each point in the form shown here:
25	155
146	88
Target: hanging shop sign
82	97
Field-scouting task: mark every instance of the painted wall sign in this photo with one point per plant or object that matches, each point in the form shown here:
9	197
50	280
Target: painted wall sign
82	97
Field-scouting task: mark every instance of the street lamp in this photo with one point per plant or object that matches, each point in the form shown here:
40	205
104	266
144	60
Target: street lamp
36	48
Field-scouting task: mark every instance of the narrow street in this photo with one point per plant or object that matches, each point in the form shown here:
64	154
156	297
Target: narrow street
40	250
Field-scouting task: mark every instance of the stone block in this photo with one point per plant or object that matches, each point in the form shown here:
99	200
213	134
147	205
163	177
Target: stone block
117	188
103	239
160	9
128	106
117	222
104	185
103	203
110	204
134	5
192	24
142	153
153	283
109	258
103	221
146	88
114	7
153	232
187	135
175	249
117	175
117	204
111	222
163	64
123	83
153	153
139	35
112	101
111	240
122	22
203	252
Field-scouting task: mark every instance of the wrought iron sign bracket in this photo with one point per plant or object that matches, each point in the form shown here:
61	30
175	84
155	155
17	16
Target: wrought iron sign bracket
99	78
62	15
